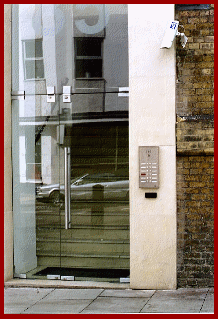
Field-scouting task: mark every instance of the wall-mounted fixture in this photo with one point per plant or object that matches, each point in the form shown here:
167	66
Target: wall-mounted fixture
50	94
149	166
171	33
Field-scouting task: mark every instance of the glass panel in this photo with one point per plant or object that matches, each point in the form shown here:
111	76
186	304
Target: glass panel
84	46
34	149
35	164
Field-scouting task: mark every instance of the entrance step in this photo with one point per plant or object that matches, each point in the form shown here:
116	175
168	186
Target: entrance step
84	246
81	232
91	219
112	261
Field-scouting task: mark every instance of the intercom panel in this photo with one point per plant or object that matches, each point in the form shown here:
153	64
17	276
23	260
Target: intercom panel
149	166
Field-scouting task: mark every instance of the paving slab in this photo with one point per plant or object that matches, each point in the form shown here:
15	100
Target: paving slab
208	306
101	301
176	301
115	305
64	294
58	307
19	294
129	293
16	300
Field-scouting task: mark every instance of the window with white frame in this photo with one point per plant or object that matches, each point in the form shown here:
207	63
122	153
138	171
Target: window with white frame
33	59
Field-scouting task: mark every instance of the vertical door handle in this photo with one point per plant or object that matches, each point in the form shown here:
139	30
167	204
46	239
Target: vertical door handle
67	178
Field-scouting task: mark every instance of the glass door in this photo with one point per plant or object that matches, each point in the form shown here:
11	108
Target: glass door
96	243
70	141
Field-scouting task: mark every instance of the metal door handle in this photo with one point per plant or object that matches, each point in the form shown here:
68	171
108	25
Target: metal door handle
67	175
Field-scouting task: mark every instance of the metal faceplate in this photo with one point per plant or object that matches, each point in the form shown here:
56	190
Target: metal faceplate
149	166
50	94
66	94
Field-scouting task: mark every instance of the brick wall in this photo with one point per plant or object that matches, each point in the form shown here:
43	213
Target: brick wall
195	62
195	149
195	221
195	136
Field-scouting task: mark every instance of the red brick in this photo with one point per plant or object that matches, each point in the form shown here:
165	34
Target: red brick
204	19
204	104
209	39
204	26
204	13
193	13
198	39
206	46
184	13
204	32
204	91
208	58
205	65
203	85
193	46
194	20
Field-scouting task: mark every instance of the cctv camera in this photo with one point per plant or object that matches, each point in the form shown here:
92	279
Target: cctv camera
183	39
170	34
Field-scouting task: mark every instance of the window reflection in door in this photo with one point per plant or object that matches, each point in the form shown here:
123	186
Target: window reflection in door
88	57
33	59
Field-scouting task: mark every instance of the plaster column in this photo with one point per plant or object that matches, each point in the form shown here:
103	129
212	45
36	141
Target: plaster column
152	123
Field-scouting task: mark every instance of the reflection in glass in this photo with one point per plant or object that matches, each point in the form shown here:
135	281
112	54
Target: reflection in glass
33	49
88	57
33	59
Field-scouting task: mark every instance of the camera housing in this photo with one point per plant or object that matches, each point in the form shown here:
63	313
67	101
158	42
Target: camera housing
169	36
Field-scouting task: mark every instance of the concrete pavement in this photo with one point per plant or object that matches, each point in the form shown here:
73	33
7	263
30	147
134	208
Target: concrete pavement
27	300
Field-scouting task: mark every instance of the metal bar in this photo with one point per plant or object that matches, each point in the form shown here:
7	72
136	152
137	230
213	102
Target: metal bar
18	95
52	277
126	280
70	278
67	168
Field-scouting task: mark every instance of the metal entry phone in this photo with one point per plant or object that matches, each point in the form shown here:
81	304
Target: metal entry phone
149	166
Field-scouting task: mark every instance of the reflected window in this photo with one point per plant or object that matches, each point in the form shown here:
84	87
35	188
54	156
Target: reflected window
88	57
34	170
33	59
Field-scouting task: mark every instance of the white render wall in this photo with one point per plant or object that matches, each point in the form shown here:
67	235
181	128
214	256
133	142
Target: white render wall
152	123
